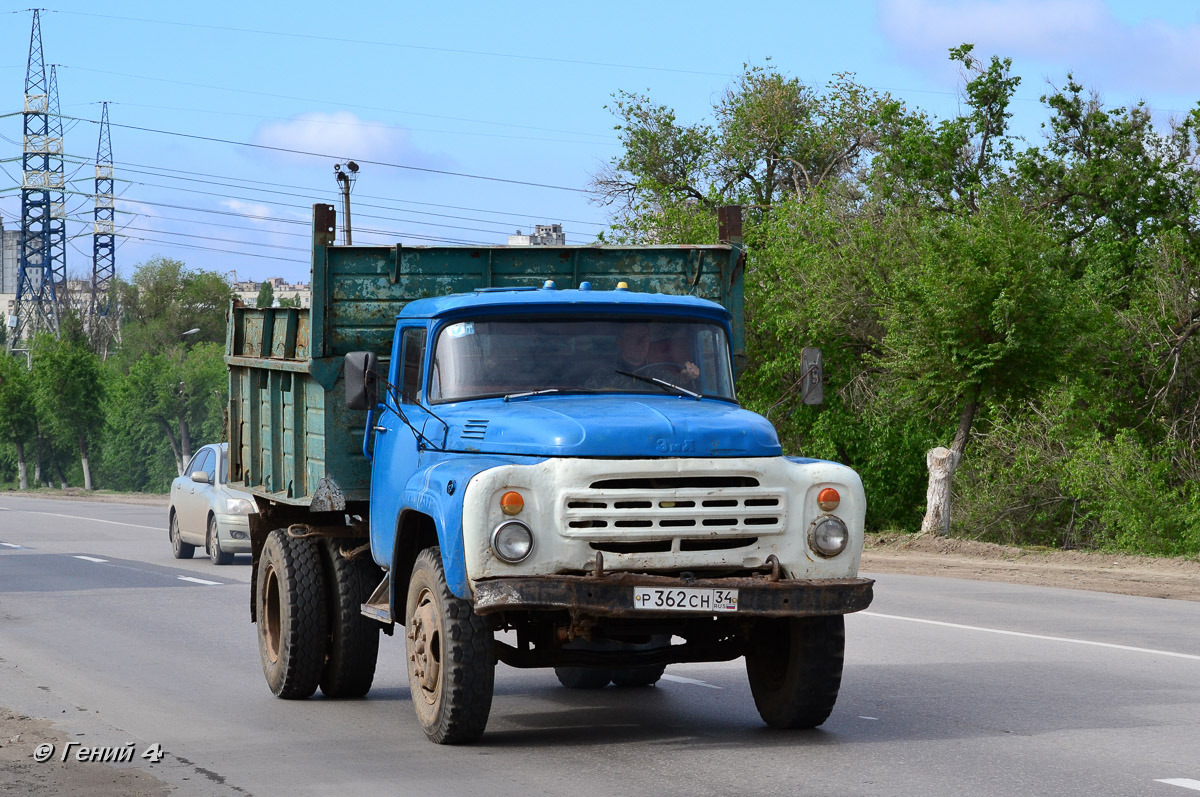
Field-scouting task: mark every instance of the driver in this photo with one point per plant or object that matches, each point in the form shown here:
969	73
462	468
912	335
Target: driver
633	349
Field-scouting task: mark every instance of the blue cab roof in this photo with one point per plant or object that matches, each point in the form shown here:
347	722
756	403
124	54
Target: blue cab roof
499	299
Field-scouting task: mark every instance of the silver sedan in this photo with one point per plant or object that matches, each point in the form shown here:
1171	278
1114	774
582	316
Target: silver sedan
206	511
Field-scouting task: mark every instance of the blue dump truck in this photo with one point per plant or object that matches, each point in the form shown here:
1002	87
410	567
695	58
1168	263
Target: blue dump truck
535	456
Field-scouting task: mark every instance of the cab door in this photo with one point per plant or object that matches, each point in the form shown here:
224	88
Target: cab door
397	447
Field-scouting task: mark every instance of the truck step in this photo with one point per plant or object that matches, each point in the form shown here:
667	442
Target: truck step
377	607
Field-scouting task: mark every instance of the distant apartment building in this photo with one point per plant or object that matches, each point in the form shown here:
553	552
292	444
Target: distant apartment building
543	235
10	243
247	291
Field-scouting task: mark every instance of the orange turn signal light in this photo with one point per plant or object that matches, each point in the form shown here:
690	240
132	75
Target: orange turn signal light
828	499
511	503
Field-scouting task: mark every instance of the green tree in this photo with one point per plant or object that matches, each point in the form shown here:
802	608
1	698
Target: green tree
18	422
266	295
165	299
68	390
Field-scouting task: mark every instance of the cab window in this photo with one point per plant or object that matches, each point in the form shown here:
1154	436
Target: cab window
412	355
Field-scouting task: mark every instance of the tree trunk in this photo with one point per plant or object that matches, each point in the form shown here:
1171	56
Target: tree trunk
185	442
62	477
37	464
179	461
941	462
87	469
965	422
22	470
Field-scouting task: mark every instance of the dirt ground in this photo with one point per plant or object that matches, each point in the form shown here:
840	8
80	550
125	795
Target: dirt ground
20	774
1177	579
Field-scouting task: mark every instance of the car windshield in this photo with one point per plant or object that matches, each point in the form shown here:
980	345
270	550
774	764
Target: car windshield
521	357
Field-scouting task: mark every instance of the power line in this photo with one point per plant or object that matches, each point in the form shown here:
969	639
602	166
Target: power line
338	103
398	45
423	169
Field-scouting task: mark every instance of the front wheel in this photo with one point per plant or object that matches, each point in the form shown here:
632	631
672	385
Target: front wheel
215	553
451	663
795	669
292	615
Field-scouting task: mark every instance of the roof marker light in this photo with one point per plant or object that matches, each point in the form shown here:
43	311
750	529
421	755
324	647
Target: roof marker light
548	285
622	286
585	286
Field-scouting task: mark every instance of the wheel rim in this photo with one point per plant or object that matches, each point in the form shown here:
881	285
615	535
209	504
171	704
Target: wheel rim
175	533
214	542
270	619
425	649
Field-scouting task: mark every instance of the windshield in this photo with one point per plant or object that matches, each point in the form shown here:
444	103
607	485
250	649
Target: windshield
476	359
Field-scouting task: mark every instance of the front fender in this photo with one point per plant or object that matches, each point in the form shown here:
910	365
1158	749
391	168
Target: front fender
437	491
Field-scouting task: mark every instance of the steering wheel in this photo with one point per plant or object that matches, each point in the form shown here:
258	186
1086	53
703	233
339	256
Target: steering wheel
674	366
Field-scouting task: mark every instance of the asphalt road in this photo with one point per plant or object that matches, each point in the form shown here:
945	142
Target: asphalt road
951	688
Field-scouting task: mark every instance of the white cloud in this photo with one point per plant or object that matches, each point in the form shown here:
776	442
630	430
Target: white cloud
257	212
343	135
1081	36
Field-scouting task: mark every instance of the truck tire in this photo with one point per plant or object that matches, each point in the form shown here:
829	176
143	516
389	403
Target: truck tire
639	676
292	615
353	638
583	677
179	548
795	669
451	661
215	553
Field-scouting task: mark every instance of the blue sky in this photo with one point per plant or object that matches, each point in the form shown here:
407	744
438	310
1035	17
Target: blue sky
514	91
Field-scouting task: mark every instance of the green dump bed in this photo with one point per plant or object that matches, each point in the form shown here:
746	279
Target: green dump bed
291	438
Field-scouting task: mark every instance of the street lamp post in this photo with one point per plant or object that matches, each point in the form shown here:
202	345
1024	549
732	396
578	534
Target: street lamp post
345	178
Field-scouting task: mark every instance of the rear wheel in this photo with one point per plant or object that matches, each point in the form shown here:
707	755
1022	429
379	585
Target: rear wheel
292	615
353	638
215	553
795	669
179	548
451	663
583	677
639	676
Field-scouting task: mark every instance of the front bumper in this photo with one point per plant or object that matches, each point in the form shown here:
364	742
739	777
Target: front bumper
611	595
227	525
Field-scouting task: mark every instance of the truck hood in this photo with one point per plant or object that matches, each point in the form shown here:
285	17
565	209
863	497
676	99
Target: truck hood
609	426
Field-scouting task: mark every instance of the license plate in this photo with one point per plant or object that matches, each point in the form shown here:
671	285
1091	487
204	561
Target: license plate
685	599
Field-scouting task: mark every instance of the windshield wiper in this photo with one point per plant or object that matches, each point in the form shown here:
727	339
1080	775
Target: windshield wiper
528	393
654	380
532	393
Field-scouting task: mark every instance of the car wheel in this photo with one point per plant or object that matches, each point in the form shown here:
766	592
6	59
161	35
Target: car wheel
181	549
215	553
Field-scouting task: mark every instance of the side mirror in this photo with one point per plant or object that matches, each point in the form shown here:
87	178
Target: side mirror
812	385
200	477
362	385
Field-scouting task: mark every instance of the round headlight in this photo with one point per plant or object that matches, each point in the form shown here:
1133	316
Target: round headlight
512	541
828	536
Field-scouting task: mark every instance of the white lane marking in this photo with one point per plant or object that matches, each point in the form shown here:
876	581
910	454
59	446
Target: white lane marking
1109	645
94	520
679	679
92	559
1186	783
873	719
11	545
200	581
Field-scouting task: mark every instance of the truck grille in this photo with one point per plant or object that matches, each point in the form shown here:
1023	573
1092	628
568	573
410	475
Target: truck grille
677	513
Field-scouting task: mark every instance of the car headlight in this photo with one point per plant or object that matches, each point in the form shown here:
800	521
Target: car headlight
828	536
512	541
238	506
